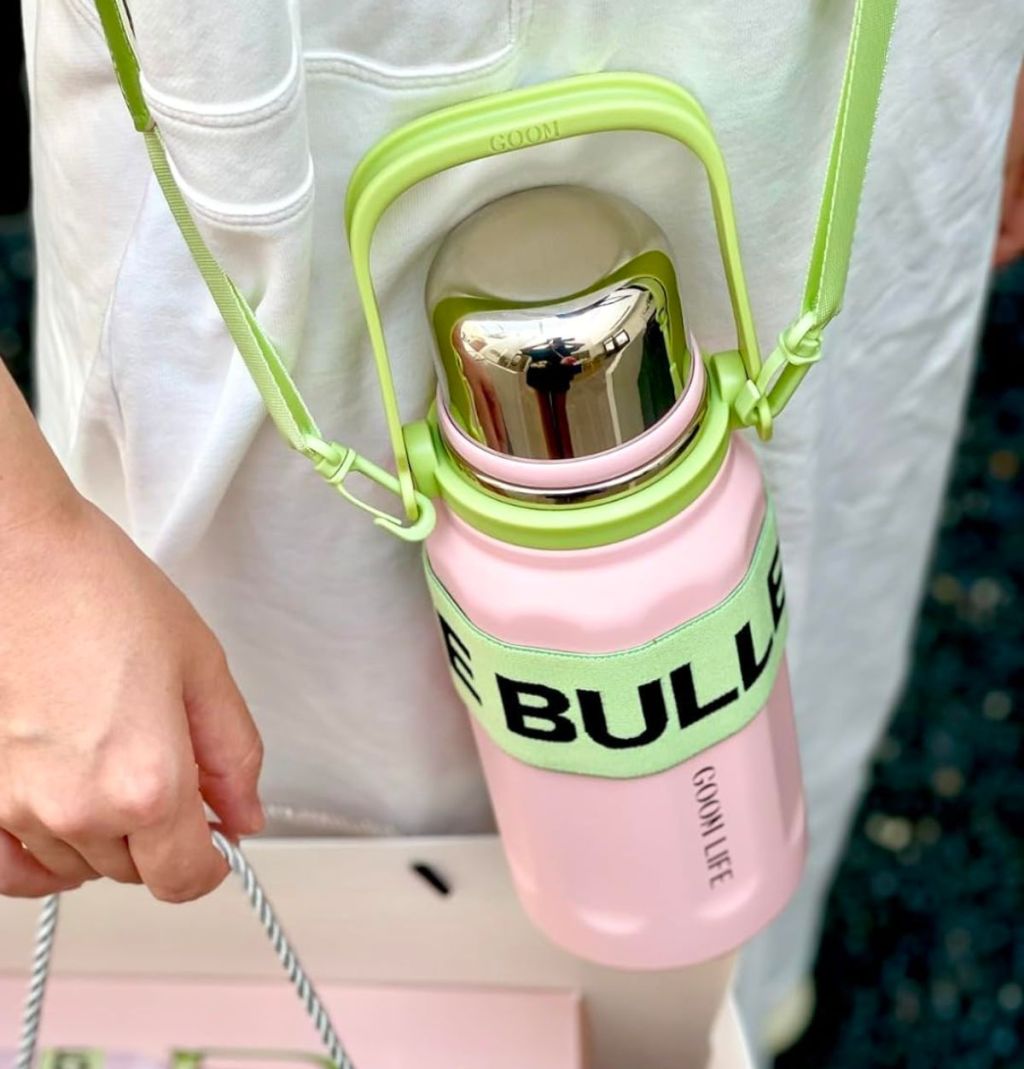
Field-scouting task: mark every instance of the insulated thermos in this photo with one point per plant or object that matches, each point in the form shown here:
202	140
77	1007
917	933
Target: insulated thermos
628	695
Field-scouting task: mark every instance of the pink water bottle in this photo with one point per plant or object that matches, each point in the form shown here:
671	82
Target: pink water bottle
607	576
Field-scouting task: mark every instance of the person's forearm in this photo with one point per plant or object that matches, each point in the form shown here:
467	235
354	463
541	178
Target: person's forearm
32	482
119	718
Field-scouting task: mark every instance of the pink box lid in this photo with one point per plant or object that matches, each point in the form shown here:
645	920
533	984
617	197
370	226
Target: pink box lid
382	1027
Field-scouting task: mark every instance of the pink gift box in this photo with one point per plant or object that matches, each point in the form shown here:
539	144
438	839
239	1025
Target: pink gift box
139	1022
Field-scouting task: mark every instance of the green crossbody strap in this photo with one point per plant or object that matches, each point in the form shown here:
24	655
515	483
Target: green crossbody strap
800	343
280	395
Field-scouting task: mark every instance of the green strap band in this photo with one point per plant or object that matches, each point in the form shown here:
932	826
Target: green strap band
634	713
800	344
278	391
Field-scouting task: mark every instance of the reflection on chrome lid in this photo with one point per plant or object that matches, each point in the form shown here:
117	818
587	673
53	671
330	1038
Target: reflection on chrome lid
557	324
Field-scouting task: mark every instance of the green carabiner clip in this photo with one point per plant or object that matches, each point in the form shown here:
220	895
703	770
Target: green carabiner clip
336	462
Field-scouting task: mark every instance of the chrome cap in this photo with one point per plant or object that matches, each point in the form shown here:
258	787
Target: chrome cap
557	323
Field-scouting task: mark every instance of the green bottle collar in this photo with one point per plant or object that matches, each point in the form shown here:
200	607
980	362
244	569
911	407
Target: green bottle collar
588	524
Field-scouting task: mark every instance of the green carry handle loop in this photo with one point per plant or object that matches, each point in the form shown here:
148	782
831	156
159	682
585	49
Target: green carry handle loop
800	343
507	122
278	391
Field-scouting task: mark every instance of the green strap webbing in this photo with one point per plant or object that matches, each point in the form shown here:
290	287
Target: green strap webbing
637	711
278	391
800	343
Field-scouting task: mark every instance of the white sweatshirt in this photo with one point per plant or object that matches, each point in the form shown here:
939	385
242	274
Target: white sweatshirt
266	106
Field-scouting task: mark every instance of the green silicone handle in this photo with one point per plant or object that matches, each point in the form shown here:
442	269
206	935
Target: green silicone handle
509	121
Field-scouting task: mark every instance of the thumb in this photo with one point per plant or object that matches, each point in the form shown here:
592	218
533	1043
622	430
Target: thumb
225	741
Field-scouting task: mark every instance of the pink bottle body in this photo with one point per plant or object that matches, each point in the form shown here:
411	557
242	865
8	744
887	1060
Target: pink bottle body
658	871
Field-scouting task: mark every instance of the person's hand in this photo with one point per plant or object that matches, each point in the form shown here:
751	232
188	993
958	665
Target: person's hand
118	716
1010	243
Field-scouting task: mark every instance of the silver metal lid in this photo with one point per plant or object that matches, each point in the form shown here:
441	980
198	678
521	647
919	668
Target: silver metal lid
557	322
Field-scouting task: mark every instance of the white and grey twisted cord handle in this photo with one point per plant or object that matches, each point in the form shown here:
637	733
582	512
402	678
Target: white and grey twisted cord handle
47	929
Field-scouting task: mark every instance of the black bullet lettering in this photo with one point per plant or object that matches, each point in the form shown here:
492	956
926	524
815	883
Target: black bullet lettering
776	588
557	727
688	708
459	658
652	706
750	667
